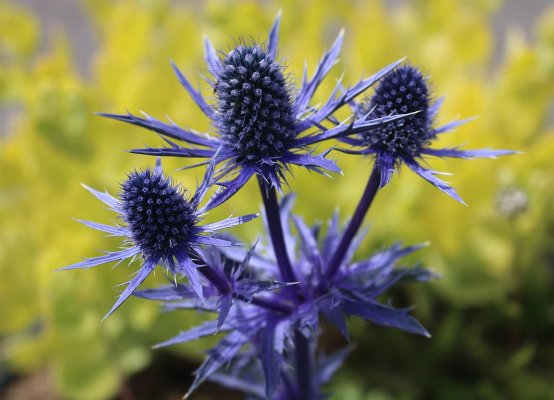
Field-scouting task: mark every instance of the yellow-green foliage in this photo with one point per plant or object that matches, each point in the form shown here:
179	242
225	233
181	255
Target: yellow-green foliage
52	142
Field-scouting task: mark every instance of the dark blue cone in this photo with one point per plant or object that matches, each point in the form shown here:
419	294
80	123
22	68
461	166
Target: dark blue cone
158	215
254	103
402	91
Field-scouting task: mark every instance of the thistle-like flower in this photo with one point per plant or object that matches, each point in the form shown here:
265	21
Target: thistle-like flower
259	120
406	140
270	300
162	226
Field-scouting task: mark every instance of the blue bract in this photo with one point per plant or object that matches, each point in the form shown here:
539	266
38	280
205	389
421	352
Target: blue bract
269	334
405	91
262	124
162	226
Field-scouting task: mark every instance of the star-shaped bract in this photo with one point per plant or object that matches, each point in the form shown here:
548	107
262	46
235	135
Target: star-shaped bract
268	333
259	121
356	287
161	224
408	140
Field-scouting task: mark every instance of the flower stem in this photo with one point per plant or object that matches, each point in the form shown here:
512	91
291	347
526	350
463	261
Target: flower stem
276	230
371	189
303	366
301	343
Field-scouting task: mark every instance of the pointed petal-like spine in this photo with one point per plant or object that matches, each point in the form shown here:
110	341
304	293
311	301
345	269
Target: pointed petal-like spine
467	154
273	39
429	176
142	274
109	257
170	130
212	60
196	95
325	64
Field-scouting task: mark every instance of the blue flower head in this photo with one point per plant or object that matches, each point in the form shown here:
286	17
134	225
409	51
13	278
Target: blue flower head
262	125
408	139
159	218
254	104
162	226
403	91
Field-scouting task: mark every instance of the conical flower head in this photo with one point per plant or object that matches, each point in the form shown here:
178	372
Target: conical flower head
408	140
158	216
403	91
254	105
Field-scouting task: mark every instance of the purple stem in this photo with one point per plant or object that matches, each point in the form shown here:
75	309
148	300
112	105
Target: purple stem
221	284
370	191
303	366
290	391
276	230
301	344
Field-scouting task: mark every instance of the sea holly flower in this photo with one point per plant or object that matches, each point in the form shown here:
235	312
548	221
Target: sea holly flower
408	140
161	224
403	141
262	125
268	301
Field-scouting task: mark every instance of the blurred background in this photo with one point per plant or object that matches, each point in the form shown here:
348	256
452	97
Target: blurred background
492	313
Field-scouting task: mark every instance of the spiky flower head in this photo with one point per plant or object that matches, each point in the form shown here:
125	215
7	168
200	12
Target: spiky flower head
407	140
403	91
254	103
158	216
162	226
